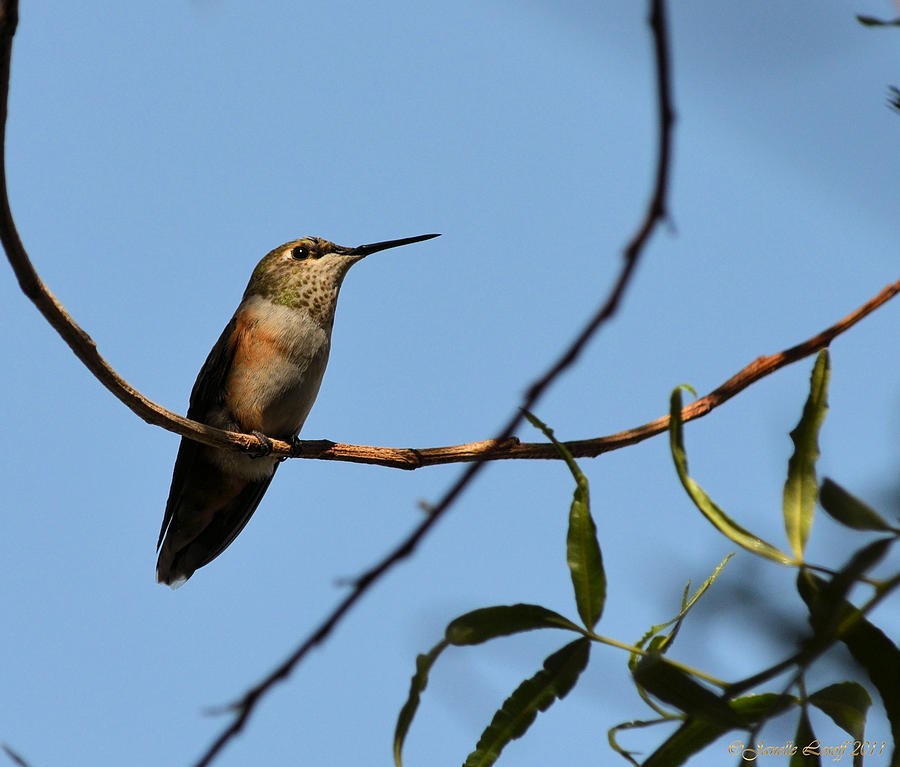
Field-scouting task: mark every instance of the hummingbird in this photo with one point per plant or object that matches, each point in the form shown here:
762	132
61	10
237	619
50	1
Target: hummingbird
261	377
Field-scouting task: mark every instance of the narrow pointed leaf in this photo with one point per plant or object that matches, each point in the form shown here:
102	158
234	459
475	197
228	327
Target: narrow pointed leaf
582	550
559	674
722	522
804	757
711	579
799	499
847	704
424	663
869	646
695	734
686	604
491	622
849	510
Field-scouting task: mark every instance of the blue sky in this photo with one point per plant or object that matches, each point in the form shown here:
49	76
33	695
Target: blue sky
156	152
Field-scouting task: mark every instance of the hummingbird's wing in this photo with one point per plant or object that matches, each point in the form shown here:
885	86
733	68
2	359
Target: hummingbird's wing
209	388
224	526
204	526
208	392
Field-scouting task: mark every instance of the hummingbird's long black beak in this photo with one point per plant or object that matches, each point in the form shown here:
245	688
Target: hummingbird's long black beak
365	250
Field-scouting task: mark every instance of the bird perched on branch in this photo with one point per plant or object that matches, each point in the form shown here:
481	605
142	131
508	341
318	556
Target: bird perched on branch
262	378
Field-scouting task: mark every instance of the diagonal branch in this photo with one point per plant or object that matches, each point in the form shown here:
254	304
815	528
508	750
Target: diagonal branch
655	213
55	313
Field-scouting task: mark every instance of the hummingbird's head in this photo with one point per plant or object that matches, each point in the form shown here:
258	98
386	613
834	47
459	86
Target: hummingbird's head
308	272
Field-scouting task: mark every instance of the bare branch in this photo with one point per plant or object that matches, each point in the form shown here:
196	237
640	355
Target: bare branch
512	448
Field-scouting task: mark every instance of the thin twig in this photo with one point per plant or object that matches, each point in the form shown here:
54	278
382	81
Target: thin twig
654	214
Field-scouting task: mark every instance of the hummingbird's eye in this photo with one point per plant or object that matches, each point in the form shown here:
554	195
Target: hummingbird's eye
299	253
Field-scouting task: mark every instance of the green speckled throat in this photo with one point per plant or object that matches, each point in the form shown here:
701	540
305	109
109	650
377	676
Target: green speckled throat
305	273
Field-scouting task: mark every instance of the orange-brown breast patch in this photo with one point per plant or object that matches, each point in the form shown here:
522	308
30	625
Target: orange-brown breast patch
254	351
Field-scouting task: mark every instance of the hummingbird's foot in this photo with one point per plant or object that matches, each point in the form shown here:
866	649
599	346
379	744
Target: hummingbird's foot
296	445
265	445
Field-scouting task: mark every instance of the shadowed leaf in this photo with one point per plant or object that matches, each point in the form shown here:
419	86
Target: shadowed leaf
491	622
800	488
803	757
559	674
677	688
829	609
846	703
868	645
849	510
728	527
419	681
582	550
696	733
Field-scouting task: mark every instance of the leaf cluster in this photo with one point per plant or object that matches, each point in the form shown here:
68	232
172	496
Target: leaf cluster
704	707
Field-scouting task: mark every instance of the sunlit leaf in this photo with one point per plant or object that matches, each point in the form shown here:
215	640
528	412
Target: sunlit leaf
849	510
582	550
846	703
664	642
804	757
491	622
419	681
728	527
800	488
559	674
697	733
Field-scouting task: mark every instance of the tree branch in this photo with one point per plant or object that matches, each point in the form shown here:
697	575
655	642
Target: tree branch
511	448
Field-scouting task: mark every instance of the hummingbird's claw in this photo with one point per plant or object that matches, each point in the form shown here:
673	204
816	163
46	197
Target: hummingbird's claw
265	445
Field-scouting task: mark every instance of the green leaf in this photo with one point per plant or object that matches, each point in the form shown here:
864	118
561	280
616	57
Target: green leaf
677	688
805	735
662	643
868	645
723	523
582	550
849	510
799	499
695	734
559	674
846	703
491	622
419	681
